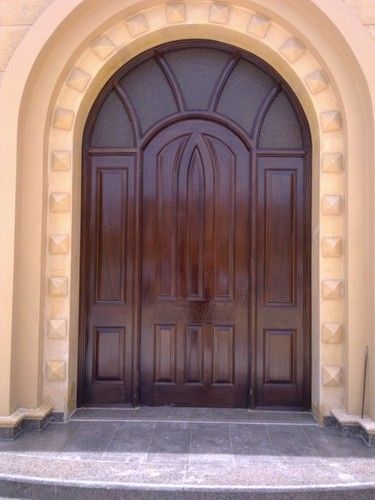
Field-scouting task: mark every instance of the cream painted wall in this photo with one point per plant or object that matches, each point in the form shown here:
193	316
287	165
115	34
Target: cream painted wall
26	356
16	17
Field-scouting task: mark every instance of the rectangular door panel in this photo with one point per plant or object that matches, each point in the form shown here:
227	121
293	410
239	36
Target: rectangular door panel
108	354
282	278
223	354
165	354
280	237
111	234
279	356
194	354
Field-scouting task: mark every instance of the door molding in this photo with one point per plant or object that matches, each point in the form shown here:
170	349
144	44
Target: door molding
250	139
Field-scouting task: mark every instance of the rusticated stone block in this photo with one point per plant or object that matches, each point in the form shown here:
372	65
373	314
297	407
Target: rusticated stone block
78	79
58	286
58	244
175	12
102	47
332	247
333	163
219	13
332	289
63	119
332	376
331	120
55	371
332	333
60	161
57	329
317	81
258	25
293	49
137	25
59	202
332	205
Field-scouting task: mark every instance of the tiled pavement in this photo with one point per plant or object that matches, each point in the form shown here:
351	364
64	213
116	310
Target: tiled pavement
181	453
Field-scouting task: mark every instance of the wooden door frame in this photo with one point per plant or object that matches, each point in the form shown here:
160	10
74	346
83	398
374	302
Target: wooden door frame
255	152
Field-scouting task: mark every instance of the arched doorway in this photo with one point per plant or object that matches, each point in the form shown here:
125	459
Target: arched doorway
195	283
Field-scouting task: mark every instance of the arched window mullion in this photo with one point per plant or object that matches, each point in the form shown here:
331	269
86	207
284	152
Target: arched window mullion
223	78
129	108
172	80
262	112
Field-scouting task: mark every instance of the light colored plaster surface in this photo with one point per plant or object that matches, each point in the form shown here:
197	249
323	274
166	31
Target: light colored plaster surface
107	40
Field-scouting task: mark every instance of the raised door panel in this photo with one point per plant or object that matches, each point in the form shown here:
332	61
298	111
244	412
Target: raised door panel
282	277
195	227
280	237
111	234
108	258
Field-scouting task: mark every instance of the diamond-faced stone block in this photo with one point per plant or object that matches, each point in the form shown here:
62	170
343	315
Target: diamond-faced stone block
78	79
175	12
332	205
333	163
55	371
293	49
63	119
57	329
331	120
60	161
332	333
332	376
332	289
137	25
258	25
219	13
58	286
102	47
59	202
332	247
58	244
317	81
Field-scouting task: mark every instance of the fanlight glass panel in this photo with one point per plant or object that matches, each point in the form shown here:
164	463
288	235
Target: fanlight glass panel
281	129
194	78
197	72
112	127
150	93
244	93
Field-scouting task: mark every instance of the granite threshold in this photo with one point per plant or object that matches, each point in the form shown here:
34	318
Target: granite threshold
26	419
352	425
30	487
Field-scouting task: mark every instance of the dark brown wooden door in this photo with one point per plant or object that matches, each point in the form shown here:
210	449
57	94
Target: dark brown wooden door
195	279
195	259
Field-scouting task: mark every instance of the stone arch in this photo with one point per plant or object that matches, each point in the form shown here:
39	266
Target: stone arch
112	39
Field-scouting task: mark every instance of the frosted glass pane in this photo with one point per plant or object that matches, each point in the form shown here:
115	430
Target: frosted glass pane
112	128
149	93
197	70
281	126
243	93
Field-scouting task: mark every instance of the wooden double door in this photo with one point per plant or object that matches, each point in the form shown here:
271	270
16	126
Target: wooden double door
195	268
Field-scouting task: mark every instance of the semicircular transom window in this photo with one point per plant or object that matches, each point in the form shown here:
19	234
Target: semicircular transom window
198	78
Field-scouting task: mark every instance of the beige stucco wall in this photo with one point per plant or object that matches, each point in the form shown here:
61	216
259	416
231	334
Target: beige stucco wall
17	16
38	363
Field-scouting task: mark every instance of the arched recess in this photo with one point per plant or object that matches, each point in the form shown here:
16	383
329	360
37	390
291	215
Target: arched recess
195	101
282	42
